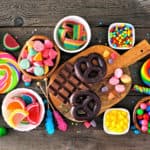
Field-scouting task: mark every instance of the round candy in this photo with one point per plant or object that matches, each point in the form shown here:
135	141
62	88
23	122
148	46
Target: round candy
149	124
26	78
24	64
136	132
38	46
145	72
9	72
113	81
48	44
120	88
144	122
125	79
144	128
139	111
140	117
146	116
118	73
143	106
148	131
148	109
3	131
38	71
27	84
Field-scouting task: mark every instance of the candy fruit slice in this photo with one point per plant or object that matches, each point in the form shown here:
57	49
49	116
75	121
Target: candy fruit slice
16	117
25	121
17	103
10	42
34	113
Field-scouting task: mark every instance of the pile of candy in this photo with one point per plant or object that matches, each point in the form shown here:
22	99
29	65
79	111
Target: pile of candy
143	116
72	35
23	109
121	36
9	72
38	57
116	121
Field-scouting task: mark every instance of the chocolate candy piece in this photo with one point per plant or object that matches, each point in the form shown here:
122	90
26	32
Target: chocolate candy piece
86	105
90	69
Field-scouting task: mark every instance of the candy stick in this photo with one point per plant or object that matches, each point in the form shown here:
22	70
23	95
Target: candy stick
141	89
62	125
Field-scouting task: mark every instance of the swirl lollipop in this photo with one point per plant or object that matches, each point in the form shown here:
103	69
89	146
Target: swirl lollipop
145	72
9	73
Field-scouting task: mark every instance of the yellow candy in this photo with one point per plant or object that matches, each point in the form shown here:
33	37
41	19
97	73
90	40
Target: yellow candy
106	53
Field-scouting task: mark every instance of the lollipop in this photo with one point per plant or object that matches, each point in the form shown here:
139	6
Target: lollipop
145	72
9	73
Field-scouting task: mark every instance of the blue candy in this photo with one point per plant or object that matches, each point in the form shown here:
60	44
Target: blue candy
148	109
133	127
27	84
137	132
27	99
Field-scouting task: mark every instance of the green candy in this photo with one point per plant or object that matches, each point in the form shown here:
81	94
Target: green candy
32	52
139	111
149	124
148	131
24	64
3	131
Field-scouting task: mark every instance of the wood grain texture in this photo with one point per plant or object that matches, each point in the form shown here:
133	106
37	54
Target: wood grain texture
26	18
48	12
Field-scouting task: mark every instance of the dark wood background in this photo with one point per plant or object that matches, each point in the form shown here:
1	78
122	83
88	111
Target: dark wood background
24	18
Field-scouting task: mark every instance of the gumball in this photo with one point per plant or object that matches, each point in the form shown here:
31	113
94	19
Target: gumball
136	132
139	111
149	124
148	109
140	117
144	128
149	113
143	106
133	127
148	131
144	122
146	116
140	122
3	131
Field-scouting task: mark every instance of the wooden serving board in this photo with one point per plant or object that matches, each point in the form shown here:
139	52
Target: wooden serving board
122	61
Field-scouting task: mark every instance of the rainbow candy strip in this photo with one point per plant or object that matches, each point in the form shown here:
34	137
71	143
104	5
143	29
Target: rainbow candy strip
9	72
72	35
145	72
141	89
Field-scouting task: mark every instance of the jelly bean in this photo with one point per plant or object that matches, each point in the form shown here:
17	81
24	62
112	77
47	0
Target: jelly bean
143	106
3	131
148	131
139	111
87	124
120	88
125	79
106	53
144	128
149	124
104	89
113	81
144	122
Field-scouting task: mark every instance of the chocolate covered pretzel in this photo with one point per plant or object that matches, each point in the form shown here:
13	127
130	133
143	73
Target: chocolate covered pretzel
90	69
86	105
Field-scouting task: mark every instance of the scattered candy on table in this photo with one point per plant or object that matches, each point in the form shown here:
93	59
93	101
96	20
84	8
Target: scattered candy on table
27	80
141	89
3	131
121	35
145	72
10	43
116	121
72	35
9	72
38	57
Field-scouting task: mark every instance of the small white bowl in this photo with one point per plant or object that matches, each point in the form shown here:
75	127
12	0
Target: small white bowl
119	24
23	127
76	19
115	133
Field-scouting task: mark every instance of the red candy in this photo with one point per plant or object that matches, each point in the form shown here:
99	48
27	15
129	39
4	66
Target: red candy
140	117
45	53
146	117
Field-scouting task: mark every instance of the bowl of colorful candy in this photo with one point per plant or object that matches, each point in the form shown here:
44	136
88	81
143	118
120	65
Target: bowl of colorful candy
141	115
23	109
121	36
72	34
116	121
39	57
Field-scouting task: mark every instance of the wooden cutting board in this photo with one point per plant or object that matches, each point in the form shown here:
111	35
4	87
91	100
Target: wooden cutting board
122	61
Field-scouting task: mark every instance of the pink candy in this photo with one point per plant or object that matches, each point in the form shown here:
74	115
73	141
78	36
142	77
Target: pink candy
48	44
38	63
25	54
144	128
144	122
52	54
113	81
87	124
49	62
120	88
45	53
118	73
26	78
38	46
143	106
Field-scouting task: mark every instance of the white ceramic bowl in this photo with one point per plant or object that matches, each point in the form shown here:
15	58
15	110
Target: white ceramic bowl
76	19
22	127
115	133
119	24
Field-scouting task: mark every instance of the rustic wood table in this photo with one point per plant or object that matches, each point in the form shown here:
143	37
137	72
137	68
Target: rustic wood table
24	18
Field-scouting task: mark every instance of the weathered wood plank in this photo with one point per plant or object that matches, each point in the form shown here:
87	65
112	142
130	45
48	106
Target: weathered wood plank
48	12
74	139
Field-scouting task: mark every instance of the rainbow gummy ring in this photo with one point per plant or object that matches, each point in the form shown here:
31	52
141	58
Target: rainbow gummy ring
145	72
9	72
